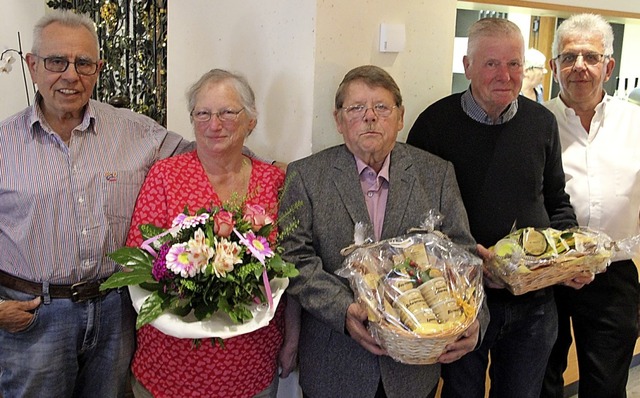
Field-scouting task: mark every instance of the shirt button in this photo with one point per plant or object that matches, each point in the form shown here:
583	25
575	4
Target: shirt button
84	232
81	200
369	194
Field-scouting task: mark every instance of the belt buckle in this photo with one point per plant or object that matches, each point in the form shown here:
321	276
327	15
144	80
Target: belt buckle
75	294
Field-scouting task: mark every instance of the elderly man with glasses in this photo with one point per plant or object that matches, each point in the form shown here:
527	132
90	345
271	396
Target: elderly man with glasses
71	168
390	186
601	157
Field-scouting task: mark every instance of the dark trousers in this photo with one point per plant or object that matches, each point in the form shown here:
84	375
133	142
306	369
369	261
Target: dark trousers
519	337
605	325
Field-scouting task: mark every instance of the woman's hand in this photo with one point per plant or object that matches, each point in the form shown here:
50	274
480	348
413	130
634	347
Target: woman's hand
288	356
287	359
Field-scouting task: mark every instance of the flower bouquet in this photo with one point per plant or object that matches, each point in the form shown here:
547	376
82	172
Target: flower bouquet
209	275
533	258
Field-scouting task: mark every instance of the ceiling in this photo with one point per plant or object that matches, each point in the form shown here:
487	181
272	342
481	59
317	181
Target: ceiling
545	9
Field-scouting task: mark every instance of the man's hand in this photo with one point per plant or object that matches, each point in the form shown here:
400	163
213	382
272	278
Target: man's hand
487	277
579	281
15	316
466	343
355	324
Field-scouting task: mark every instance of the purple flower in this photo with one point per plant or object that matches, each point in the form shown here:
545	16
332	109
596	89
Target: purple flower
160	270
186	221
257	245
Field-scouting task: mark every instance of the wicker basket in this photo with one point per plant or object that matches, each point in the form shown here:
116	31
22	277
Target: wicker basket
388	277
406	347
560	270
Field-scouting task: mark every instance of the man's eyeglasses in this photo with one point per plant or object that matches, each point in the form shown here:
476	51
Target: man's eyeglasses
358	111
60	64
225	115
569	59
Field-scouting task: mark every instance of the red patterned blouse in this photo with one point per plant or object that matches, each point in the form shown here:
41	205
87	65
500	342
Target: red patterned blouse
172	367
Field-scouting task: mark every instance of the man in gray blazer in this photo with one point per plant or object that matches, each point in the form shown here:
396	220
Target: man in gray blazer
389	185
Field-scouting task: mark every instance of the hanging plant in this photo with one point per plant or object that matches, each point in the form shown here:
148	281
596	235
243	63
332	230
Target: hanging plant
133	44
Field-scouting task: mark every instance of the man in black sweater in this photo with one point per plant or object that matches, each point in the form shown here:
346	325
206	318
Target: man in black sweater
506	153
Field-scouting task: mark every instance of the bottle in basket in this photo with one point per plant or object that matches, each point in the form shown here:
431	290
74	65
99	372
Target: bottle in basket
413	309
447	310
435	290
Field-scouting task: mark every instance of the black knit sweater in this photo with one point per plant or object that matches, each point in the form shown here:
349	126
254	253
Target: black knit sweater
507	173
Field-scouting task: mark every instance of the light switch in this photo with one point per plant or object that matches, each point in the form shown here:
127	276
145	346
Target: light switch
392	38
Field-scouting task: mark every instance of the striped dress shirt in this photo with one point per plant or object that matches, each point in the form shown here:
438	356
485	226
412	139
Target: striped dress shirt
64	208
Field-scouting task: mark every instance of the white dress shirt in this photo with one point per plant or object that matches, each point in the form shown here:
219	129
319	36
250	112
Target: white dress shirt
602	166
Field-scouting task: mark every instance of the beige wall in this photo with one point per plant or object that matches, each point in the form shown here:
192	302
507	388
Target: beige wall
271	43
294	53
347	36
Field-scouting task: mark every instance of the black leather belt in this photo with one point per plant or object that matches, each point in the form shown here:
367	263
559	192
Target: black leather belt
77	292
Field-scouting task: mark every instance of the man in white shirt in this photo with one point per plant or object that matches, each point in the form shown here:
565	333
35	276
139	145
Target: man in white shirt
600	141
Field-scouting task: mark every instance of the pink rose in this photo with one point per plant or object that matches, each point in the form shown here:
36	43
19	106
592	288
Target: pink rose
257	216
223	223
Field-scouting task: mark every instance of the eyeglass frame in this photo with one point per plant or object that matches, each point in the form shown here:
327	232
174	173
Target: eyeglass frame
347	109
584	59
75	64
236	115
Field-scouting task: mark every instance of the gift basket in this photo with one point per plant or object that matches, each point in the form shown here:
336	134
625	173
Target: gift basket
533	258
421	291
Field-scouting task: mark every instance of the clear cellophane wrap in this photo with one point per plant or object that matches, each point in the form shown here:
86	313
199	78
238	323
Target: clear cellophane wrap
421	290
533	258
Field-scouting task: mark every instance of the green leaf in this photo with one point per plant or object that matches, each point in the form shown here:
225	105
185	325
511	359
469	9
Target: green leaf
150	286
132	257
265	231
151	309
219	341
181	310
240	314
223	304
150	231
208	231
126	278
282	268
203	312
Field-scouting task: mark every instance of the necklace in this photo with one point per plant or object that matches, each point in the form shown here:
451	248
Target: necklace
233	183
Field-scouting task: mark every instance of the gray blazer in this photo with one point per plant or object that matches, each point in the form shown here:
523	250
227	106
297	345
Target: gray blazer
331	363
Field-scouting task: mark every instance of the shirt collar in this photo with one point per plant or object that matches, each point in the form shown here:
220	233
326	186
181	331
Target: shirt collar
599	108
475	112
37	116
384	171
